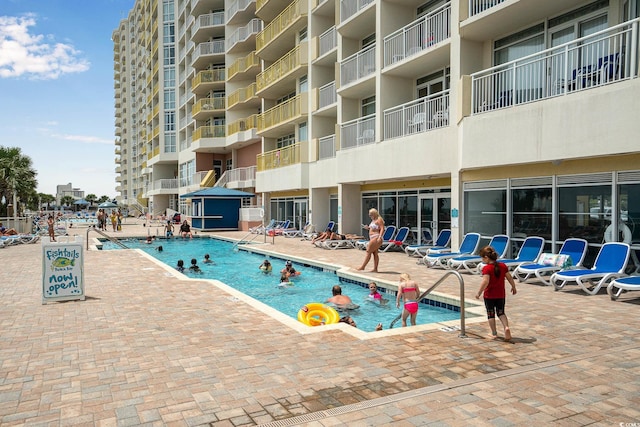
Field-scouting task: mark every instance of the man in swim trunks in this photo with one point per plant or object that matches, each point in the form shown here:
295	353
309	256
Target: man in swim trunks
338	299
409	291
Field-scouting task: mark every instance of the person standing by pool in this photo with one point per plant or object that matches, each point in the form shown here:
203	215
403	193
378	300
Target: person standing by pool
494	274
376	230
168	229
51	228
409	291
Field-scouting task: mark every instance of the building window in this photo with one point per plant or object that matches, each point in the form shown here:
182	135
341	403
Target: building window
285	141
169	99
229	164
370	40
170	143
167	10
302	132
169	121
303	85
368	106
168	33
169	55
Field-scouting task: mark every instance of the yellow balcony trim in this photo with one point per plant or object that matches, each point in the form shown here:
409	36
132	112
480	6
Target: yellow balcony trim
282	67
208	76
243	64
281	113
207	104
209	132
288	16
209	179
278	158
250	122
242	95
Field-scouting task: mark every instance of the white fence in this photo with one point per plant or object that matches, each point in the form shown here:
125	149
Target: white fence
420	115
327	95
348	8
358	65
478	6
358	132
327	147
328	41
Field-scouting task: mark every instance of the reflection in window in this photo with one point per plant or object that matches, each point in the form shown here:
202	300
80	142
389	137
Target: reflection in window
486	212
582	212
532	212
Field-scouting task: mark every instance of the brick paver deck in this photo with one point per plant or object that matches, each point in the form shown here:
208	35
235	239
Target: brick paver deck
148	347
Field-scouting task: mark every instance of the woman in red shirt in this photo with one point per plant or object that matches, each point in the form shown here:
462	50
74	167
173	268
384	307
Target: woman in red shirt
494	274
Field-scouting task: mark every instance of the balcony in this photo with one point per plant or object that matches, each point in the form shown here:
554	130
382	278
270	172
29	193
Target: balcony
279	158
244	35
208	52
238	178
209	139
357	67
286	70
327	101
162	186
268	9
205	26
327	147
280	35
348	8
358	132
207	107
246	67
422	34
479	6
420	115
242	125
286	114
240	11
243	97
208	80
605	57
327	43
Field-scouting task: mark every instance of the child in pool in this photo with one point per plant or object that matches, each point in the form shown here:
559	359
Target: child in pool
194	266
409	291
207	259
284	281
180	266
374	295
266	266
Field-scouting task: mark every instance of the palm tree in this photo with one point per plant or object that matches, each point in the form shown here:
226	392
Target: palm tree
67	200
103	199
46	198
91	198
17	176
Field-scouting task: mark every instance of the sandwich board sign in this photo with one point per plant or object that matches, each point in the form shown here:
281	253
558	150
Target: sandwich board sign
62	269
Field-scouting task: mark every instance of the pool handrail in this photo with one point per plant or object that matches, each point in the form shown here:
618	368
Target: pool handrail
435	285
112	239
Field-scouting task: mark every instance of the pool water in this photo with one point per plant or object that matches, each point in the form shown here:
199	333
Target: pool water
240	270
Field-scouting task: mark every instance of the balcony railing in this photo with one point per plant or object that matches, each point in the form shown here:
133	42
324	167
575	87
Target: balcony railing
290	61
241	34
162	184
208	20
348	8
420	115
242	95
327	147
208	76
235	175
327	41
601	58
361	131
241	125
327	95
479	6
215	47
293	12
209	132
236	7
358	65
243	64
208	104
280	113
420	35
279	158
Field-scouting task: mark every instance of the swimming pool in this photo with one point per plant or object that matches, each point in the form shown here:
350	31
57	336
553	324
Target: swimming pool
239	269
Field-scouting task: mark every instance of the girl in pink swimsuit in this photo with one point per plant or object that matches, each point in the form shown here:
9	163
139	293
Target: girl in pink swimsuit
409	291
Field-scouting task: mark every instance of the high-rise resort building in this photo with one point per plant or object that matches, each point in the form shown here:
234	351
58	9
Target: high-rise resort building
517	117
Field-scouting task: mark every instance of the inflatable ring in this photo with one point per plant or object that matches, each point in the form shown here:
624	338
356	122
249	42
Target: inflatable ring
623	228
316	314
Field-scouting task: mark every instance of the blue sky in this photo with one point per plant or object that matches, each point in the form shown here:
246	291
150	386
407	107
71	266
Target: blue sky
56	89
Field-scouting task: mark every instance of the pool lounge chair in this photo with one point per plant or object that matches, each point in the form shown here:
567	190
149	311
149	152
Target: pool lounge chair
397	243
571	255
499	242
610	264
624	284
259	229
442	241
338	244
468	246
279	229
529	252
299	232
389	233
313	233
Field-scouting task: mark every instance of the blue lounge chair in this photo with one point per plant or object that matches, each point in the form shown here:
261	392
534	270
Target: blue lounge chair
529	252
571	254
389	232
499	242
442	241
624	284
610	264
468	246
397	243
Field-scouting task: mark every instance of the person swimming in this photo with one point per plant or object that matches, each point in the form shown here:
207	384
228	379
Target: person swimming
266	266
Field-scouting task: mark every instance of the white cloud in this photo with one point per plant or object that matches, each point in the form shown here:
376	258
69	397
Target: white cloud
22	53
83	138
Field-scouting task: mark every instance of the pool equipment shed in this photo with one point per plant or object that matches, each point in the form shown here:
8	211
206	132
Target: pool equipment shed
216	208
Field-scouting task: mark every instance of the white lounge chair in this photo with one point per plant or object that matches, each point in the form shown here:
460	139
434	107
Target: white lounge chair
468	246
610	264
442	241
624	284
571	254
499	242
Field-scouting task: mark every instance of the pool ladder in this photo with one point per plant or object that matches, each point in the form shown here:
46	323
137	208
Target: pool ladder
243	241
435	285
